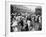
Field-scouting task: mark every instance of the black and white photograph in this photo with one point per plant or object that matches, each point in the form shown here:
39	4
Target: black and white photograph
25	18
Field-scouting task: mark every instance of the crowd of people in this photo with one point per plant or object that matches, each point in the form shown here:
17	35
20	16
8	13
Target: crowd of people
26	22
